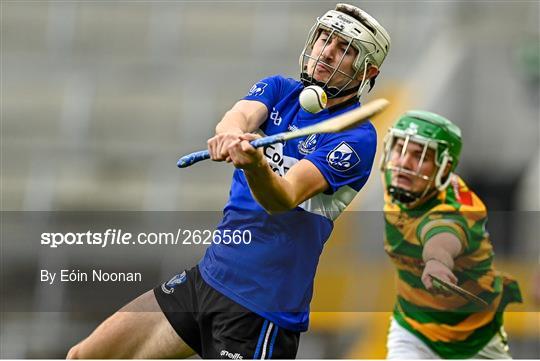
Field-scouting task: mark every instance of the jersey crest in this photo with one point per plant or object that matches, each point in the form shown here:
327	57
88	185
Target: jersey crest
343	157
308	145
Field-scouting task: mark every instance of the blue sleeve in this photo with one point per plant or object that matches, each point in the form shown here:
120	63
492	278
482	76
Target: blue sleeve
346	158
266	91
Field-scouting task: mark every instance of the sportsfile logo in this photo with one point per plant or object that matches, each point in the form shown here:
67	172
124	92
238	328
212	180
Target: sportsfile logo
232	356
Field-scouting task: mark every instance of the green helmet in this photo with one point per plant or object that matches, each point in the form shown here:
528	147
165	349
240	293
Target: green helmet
432	131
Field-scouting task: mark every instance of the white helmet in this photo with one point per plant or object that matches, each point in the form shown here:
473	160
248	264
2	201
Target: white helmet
361	31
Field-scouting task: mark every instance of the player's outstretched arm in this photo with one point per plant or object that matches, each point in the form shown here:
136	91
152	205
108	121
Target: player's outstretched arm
244	117
273	192
438	255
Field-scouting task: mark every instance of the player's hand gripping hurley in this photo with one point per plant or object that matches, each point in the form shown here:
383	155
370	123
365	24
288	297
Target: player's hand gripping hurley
332	125
453	289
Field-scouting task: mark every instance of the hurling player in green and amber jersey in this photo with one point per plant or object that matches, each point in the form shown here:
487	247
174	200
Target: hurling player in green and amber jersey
435	225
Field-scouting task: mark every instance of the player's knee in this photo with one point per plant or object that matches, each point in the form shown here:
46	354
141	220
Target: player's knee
80	352
73	353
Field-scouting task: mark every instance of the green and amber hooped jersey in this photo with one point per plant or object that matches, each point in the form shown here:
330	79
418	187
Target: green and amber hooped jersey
450	325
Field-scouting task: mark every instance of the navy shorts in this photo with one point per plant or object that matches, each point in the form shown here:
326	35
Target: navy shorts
216	327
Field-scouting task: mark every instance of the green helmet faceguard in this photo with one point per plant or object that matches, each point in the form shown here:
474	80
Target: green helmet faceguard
432	131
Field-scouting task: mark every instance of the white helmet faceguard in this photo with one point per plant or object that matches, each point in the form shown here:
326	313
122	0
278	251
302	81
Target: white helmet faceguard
366	35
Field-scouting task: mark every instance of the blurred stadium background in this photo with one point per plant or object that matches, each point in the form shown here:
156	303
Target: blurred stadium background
99	98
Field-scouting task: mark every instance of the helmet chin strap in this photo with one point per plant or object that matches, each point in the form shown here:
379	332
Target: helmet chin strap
364	80
408	198
402	195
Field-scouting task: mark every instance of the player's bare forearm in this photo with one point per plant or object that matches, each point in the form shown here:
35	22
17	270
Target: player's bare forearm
244	117
438	255
272	192
443	247
232	122
278	194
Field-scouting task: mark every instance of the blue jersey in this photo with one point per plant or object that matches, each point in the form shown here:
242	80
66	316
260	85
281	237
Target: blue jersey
273	274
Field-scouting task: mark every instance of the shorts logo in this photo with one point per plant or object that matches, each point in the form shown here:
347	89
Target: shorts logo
308	145
257	89
232	356
343	157
169	286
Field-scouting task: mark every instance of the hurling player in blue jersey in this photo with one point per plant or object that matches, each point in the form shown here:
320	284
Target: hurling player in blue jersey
252	300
